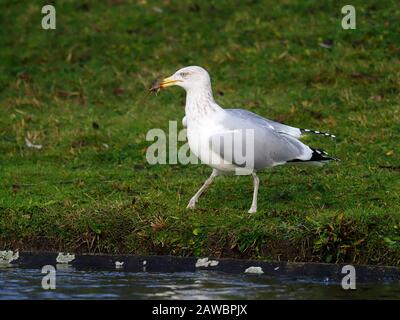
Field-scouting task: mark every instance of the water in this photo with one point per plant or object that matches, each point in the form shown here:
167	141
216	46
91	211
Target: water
19	283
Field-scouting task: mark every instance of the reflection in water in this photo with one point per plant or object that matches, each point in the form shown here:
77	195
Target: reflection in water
18	283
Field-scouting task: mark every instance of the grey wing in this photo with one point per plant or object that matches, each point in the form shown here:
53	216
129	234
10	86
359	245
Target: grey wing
248	142
278	127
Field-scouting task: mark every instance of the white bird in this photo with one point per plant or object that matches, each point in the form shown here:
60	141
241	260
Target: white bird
236	141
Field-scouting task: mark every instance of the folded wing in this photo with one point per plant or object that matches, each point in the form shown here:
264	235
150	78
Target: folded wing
248	140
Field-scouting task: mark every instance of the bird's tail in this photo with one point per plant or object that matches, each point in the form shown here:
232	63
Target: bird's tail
318	157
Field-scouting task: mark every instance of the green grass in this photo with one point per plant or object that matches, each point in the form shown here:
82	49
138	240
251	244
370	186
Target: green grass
91	190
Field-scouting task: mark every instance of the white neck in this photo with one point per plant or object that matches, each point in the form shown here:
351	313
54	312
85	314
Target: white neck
200	103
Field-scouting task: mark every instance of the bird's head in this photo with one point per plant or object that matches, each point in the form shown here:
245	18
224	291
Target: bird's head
189	78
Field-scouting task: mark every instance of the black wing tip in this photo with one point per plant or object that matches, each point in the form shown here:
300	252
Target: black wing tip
321	155
317	156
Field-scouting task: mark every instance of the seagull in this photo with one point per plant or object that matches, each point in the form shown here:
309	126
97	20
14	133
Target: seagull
236	141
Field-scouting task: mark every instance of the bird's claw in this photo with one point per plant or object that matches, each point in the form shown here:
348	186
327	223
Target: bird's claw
252	210
192	204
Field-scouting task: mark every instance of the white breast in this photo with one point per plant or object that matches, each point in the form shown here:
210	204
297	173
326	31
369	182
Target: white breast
199	136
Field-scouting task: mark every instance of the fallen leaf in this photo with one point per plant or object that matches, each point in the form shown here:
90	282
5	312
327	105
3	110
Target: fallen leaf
118	91
327	44
29	144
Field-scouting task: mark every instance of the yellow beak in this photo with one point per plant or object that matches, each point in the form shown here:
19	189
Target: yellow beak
167	82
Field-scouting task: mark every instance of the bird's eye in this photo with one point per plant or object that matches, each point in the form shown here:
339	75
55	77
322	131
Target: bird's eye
184	74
